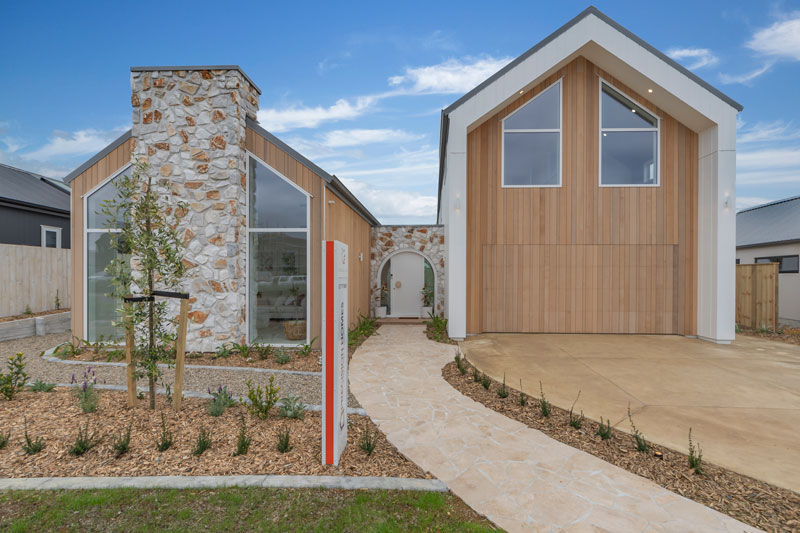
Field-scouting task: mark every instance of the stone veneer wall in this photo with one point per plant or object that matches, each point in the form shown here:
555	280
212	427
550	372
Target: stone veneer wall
427	240
190	127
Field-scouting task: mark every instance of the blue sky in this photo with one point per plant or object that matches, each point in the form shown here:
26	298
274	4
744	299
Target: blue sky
358	87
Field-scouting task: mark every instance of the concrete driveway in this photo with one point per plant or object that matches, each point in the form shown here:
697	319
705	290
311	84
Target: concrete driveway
741	400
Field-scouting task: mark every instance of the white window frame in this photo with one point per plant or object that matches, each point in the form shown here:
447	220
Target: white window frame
306	230
559	130
86	232
601	129
55	230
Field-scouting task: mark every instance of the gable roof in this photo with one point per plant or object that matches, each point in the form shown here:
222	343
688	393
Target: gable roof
98	156
25	188
770	223
586	13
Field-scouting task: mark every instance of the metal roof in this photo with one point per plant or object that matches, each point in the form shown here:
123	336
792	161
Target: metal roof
27	188
770	223
198	67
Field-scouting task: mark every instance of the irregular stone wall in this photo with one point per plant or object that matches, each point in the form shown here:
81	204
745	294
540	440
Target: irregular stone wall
190	126
427	240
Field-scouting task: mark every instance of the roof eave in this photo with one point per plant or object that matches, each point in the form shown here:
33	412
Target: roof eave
98	156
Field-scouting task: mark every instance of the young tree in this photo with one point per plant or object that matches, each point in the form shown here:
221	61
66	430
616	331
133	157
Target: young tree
150	257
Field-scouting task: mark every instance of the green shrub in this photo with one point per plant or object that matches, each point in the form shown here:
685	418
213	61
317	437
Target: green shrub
28	310
85	441
69	349
264	351
221	400
575	421
122	441
460	363
243	440
262	400
87	395
476	376
544	406
638	438
31	446
15	380
437	327
223	352
604	430
486	381
305	349
282	356
293	407
165	438
368	440
4	440
502	392
283	441
695	456
243	349
202	443
364	328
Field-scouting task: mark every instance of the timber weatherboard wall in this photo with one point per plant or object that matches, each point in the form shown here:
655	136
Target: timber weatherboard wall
88	179
581	258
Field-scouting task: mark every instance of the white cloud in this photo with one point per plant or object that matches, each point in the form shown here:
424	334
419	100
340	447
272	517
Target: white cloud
743	202
781	40
766	132
770	158
745	78
293	117
699	57
391	205
82	142
12	144
358	137
453	76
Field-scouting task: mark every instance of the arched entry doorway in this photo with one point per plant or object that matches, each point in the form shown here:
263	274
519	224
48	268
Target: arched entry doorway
407	285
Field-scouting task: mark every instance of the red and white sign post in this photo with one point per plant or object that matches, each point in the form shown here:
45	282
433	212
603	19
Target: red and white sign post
334	351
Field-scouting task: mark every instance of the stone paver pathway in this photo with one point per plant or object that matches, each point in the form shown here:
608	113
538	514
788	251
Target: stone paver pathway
518	477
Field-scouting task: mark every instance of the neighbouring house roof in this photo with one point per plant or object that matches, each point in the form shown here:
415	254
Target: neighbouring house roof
771	223
198	67
18	186
590	11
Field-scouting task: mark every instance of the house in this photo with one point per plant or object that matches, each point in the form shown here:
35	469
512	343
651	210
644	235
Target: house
256	213
34	209
770	233
589	187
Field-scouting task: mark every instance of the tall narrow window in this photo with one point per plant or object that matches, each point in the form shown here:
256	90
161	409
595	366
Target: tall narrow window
277	257
628	141
101	307
51	237
532	142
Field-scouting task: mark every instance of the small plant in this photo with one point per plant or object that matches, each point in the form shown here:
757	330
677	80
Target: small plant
15	380
243	440
87	395
293	407
69	349
502	392
4	440
364	328
31	446
283	441
222	399
695	456
264	351
165	439
282	356
604	430
486	381
122	441
58	301
223	352
523	398
305	349
85	441
202	443
460	363
544	406
437	327
243	349
41	386
575	421
262	400
28	310
476	376
368	440
638	438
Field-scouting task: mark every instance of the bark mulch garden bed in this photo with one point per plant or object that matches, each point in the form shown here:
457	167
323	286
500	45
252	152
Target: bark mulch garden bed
33	315
787	335
751	501
56	417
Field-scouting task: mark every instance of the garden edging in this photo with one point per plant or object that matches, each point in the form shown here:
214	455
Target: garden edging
37	325
211	482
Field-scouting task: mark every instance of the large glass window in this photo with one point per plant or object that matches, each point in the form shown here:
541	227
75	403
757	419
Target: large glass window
278	258
628	141
101	306
532	142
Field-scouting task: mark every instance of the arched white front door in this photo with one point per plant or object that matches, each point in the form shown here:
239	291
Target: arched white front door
406	281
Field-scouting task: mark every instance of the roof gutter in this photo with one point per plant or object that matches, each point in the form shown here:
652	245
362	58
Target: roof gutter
28	206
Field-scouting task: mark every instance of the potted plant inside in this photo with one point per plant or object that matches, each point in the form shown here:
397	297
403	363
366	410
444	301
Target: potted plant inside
380	311
295	330
427	301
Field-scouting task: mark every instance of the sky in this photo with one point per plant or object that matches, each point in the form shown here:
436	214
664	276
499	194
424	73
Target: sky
357	87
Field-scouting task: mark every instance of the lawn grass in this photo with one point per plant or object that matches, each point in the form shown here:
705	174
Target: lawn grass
236	509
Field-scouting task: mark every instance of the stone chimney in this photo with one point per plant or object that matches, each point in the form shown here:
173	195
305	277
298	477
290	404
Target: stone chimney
189	124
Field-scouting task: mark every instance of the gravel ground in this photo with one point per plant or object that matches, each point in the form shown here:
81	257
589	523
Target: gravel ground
309	388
